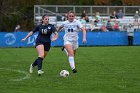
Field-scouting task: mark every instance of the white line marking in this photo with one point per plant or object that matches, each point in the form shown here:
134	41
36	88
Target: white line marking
27	75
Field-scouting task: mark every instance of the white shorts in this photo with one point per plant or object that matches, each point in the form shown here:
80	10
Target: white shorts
73	43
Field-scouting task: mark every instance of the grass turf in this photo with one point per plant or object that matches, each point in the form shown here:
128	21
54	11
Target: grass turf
100	70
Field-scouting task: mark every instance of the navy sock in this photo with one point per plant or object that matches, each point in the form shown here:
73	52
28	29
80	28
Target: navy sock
34	63
39	63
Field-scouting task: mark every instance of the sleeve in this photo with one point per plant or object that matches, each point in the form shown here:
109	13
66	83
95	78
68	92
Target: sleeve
36	29
53	29
79	24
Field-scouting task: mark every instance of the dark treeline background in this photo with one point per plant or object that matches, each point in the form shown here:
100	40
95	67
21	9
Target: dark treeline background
13	12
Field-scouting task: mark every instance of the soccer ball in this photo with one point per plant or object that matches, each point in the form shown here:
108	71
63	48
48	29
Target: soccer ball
64	73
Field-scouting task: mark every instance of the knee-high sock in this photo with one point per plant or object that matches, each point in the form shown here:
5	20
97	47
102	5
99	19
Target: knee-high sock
34	63
71	62
39	63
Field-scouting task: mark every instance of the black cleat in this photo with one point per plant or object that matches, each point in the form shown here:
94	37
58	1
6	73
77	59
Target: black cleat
62	48
74	71
39	74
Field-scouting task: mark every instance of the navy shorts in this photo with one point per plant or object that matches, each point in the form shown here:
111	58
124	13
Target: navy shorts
47	45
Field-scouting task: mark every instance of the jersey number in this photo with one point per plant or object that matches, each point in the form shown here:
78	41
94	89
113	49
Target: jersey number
44	31
70	30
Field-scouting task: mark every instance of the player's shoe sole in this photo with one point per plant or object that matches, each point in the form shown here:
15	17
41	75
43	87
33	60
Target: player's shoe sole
31	69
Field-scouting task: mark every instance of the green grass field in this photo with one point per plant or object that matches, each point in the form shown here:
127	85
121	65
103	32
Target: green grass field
114	69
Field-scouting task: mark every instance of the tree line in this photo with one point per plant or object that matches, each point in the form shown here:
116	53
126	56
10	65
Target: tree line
13	12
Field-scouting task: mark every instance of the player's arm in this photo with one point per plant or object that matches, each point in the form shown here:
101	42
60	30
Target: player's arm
28	35
55	36
84	34
59	28
84	31
31	33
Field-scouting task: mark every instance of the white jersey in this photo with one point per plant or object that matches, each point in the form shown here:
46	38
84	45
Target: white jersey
71	30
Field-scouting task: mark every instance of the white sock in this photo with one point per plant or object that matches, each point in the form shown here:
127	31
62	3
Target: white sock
71	62
66	51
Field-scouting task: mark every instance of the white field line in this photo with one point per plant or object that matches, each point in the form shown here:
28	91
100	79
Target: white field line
27	75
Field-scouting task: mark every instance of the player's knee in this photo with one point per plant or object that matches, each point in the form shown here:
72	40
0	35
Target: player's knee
41	55
71	54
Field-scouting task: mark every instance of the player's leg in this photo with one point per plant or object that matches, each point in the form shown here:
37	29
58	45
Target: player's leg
40	50
38	61
67	51
70	51
40	64
75	46
46	48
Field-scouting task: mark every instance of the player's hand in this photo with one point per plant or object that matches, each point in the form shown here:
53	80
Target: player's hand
23	39
53	39
84	40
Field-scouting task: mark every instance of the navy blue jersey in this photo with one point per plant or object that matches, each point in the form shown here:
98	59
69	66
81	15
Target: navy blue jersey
45	32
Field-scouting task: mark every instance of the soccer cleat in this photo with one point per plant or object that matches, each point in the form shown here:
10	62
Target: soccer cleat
74	71
31	69
62	49
40	72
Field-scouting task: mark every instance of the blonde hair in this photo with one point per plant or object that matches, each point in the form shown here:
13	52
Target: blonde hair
71	12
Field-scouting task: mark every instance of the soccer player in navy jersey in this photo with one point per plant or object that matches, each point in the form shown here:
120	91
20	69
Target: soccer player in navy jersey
43	42
71	27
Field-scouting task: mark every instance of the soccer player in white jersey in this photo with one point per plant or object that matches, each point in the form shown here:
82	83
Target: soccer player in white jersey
71	27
